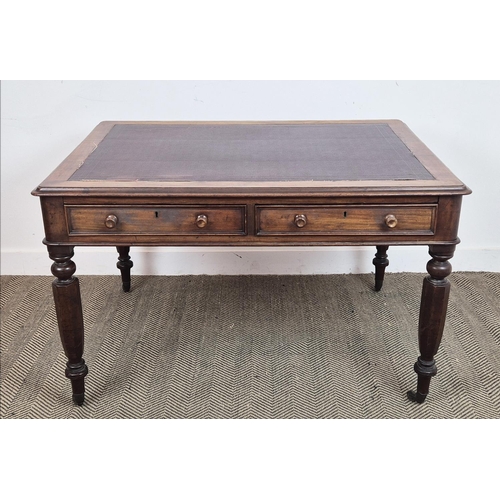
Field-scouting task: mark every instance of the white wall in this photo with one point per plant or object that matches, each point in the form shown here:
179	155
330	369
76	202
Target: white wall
42	122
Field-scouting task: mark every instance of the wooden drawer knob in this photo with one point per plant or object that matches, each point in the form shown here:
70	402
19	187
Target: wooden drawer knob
391	221
300	220
111	221
201	220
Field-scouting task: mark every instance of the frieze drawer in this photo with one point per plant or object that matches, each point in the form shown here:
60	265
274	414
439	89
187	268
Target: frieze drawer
156	220
347	219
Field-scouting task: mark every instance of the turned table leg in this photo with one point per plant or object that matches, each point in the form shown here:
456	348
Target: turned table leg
380	262
69	314
433	306
124	264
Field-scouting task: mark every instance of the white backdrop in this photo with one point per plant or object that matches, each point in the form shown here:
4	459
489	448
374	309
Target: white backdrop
43	121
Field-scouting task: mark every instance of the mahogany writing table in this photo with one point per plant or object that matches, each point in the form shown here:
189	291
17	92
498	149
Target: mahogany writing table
251	184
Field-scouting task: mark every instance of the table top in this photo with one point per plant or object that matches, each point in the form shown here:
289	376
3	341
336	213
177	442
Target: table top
198	157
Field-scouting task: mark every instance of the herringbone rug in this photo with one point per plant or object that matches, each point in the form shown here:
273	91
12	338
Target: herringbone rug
251	347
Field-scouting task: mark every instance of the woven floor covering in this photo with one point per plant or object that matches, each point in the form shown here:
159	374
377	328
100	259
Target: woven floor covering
251	347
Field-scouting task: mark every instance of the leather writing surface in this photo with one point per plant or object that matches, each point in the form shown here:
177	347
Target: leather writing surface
251	153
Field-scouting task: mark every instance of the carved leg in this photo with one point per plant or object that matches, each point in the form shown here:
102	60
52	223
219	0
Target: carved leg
69	314
433	306
380	262
124	264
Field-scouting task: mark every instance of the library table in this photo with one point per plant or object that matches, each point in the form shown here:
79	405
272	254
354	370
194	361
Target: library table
255	184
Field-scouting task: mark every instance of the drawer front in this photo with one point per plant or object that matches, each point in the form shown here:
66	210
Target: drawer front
347	219
156	220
